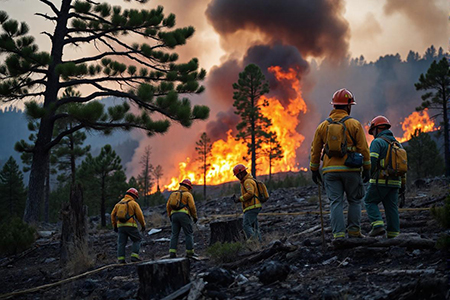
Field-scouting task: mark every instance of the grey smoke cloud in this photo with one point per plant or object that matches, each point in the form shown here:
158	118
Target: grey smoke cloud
315	28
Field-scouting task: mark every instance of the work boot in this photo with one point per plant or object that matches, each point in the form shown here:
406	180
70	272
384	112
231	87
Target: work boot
358	235
135	259
376	231
191	255
121	261
172	255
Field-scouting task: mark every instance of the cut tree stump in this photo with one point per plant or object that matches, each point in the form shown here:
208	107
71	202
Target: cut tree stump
226	231
414	243
160	278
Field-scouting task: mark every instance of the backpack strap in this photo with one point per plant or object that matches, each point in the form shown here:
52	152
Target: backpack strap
343	122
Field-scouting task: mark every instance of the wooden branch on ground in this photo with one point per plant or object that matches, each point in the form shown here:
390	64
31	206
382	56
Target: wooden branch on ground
179	293
415	243
276	247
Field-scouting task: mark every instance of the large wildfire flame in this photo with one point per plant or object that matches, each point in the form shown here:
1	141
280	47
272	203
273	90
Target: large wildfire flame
226	154
415	121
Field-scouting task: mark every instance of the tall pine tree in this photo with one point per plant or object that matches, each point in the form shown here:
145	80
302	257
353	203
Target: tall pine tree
145	179
203	149
273	151
145	74
103	179
437	80
12	190
253	128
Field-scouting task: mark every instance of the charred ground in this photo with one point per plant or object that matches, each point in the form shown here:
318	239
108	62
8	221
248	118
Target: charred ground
291	261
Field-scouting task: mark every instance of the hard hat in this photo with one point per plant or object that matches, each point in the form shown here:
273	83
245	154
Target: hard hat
238	169
133	192
187	183
378	121
343	97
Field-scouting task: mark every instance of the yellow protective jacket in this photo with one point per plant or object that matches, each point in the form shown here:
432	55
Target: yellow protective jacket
133	210
336	164
188	200
248	191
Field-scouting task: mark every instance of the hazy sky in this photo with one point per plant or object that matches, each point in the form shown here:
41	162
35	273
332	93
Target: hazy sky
377	27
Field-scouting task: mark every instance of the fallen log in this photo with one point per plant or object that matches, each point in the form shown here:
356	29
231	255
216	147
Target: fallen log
160	278
414	243
183	291
276	247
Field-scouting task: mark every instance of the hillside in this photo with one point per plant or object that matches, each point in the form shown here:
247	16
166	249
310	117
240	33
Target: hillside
291	243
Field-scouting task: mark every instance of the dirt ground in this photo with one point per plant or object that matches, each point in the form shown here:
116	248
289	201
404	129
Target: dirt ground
314	271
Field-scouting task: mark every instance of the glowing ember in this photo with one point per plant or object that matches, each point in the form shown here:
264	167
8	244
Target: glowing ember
226	154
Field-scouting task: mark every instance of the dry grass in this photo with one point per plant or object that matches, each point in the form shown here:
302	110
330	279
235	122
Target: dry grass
79	261
156	220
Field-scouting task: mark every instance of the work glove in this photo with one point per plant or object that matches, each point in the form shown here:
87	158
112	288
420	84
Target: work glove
195	220
116	229
366	175
235	199
143	229
316	177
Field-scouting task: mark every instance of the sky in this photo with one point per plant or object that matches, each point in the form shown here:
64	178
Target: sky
231	33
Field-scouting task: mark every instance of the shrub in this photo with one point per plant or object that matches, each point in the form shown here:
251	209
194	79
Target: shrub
16	236
442	214
224	252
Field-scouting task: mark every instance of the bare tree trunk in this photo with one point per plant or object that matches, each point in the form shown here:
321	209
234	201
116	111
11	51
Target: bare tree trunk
74	226
47	194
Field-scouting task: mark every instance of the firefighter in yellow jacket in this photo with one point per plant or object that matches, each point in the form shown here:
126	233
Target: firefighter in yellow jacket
340	173
180	217
250	203
123	219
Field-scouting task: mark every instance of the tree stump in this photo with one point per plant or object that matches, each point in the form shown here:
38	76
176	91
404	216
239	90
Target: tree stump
162	277
74	227
226	231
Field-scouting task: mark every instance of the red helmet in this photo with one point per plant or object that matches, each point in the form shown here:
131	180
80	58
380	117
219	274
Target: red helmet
343	97
378	121
187	183
238	169
133	192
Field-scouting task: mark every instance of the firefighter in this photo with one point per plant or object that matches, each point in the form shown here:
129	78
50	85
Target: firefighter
382	188
181	218
128	228
250	203
338	177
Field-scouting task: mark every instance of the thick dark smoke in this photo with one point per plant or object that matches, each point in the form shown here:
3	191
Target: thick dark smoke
315	28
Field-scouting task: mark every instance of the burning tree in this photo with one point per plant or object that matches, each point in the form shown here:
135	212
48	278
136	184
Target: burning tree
437	78
203	149
250	87
144	74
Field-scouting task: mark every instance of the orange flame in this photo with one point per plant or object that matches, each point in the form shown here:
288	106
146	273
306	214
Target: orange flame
225	154
416	120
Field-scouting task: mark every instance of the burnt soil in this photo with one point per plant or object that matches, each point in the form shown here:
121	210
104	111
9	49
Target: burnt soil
315	271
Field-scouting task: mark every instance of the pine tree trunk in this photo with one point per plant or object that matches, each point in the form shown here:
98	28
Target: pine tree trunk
74	227
103	203
446	133
44	136
47	194
162	277
226	231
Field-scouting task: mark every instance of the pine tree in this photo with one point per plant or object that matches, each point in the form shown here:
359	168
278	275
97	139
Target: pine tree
203	149
103	179
252	129
273	151
158	173
144	74
145	180
424	159
12	190
437	79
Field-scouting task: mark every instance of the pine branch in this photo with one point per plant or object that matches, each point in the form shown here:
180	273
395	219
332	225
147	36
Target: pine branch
61	135
47	34
108	79
51	5
45	16
95	58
